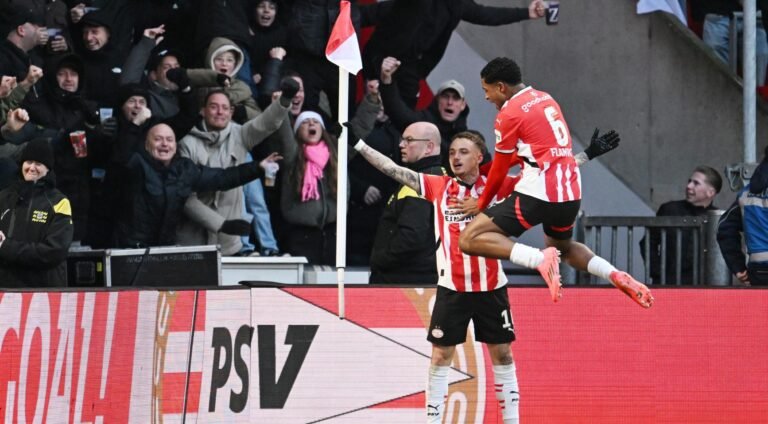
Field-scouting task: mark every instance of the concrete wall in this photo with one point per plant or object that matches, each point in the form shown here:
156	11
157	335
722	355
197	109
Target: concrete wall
675	105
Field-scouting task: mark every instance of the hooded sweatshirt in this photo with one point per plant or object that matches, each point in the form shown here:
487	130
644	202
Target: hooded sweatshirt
204	80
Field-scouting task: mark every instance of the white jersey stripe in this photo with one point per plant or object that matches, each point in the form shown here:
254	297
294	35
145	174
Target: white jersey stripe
568	184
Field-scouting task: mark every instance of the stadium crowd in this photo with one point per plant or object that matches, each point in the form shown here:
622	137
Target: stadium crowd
121	91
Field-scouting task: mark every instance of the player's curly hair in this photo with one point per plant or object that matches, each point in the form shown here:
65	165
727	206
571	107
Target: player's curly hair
502	69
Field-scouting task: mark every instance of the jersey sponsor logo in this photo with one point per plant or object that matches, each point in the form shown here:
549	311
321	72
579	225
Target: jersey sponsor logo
560	152
526	107
498	135
40	216
455	215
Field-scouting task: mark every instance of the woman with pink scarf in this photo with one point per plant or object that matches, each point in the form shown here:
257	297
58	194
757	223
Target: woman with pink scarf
308	191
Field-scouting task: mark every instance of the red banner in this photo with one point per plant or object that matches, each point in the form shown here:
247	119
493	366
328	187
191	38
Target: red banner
282	355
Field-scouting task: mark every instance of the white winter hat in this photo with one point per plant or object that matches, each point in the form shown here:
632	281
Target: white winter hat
303	116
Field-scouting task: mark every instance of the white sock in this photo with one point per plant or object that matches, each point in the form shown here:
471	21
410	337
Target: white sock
527	256
437	391
599	267
507	392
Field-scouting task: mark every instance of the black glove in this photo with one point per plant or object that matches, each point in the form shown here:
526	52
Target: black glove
109	127
179	77
335	128
602	144
289	88
236	227
90	113
240	115
223	80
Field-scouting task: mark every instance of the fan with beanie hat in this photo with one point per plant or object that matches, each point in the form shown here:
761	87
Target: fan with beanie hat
130	90
38	150
307	114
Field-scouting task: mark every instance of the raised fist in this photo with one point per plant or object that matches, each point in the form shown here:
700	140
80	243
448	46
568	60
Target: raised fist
388	67
179	77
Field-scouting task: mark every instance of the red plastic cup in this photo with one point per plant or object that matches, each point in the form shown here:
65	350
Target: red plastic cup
79	143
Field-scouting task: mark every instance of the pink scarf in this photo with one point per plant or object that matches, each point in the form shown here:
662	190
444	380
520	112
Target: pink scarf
317	157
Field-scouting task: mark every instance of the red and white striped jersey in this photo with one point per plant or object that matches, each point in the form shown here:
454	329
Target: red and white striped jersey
532	125
456	270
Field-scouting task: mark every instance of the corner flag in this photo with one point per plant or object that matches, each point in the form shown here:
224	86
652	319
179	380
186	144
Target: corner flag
343	49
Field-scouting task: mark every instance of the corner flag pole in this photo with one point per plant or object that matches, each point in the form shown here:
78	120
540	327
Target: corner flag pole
341	191
343	50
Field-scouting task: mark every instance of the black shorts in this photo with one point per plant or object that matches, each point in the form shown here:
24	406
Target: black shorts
489	312
519	212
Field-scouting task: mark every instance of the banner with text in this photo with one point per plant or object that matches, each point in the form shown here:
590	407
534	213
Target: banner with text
283	355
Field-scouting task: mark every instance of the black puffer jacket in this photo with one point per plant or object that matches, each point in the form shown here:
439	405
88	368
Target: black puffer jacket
404	248
311	23
14	62
37	221
154	196
417	31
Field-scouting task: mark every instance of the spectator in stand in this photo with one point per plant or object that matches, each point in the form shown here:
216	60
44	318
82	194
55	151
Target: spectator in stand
131	125
23	30
276	141
35	224
13	93
56	40
716	15
448	111
402	31
370	189
102	59
119	16
308	198
178	17
404	247
270	37
297	103
223	60
169	103
218	141
746	223
703	185
64	108
226	19
134	119
309	27
13	123
157	184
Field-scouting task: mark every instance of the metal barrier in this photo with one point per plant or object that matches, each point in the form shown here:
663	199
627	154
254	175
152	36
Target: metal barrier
735	26
623	247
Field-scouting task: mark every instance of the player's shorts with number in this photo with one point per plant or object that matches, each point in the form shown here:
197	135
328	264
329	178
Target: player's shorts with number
488	310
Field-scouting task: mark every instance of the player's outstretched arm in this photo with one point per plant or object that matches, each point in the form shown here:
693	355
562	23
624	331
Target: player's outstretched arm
386	165
599	145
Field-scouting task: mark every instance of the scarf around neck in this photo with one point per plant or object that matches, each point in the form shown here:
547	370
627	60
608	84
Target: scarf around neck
317	157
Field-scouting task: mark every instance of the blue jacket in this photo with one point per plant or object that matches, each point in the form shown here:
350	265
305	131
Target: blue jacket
747	215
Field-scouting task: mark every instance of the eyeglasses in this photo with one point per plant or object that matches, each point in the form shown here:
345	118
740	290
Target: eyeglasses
410	139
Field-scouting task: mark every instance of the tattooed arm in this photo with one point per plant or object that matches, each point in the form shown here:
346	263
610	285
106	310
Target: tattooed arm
384	164
581	158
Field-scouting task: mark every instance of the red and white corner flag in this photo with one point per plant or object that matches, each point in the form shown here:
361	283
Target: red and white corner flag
342	49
